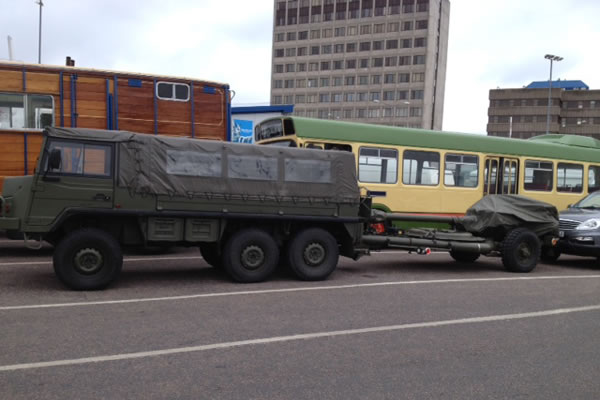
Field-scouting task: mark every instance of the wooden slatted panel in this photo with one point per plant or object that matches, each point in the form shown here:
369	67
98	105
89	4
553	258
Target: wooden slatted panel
11	81
12	156
42	83
34	145
209	109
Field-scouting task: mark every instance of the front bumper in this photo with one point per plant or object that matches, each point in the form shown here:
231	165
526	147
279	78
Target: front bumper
580	243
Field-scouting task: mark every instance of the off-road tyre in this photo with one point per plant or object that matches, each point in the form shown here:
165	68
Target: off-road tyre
87	259
210	253
313	254
464	256
250	255
520	250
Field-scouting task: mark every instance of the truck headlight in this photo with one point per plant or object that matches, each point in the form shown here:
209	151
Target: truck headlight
590	224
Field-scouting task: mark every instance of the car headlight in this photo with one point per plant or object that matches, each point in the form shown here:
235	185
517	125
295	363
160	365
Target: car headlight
588	225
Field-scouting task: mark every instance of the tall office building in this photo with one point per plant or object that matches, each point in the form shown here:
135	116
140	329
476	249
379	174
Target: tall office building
374	61
523	113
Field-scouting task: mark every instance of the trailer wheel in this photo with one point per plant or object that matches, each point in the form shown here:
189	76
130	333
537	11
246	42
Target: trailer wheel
550	254
210	254
250	255
464	256
87	259
520	250
313	254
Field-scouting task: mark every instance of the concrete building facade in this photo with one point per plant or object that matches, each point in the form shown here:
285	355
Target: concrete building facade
522	113
374	61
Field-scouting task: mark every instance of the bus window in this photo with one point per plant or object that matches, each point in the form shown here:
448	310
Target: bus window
509	177
282	143
314	146
377	165
338	146
538	175
461	170
570	178
421	168
593	178
490	182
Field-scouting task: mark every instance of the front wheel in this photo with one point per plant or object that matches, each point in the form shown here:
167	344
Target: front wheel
87	259
520	250
313	254
250	255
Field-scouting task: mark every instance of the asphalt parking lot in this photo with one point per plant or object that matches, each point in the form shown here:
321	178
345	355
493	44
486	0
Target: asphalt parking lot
390	326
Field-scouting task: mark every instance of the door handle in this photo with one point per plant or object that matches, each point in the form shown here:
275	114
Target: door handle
101	197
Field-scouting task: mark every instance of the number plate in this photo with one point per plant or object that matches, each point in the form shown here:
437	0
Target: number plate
561	234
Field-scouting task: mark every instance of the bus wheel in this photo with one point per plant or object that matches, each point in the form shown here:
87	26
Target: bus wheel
210	254
464	256
250	255
87	259
549	254
313	254
520	250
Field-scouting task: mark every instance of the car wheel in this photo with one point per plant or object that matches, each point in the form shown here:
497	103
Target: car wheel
250	255
464	256
520	250
313	254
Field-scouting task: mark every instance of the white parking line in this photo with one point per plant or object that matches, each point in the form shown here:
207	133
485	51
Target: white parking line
297	289
126	259
291	338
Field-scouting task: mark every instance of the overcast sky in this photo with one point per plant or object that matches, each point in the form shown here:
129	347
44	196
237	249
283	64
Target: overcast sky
492	43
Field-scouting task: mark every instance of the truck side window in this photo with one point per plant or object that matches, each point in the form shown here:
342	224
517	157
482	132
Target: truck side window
83	159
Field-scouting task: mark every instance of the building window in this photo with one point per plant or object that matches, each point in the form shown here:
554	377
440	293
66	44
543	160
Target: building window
289	99
173	91
389	78
326	49
350	47
276	100
324	98
350	80
314	50
363	80
418	60
393	27
279	53
418	77
388	95
303	35
338	48
416	112
290	67
416	94
404	60
363	96
377	165
350	97
391	44
278	68
375	79
338	64
403	77
407	26
327	33
391	61
375	96
421	168
378	28
378	62
364	63
302	51
402	112
378	45
315	34
337	97
289	83
312	82
301	83
365	46
420	42
324	82
402	95
313	66
365	29
341	31
280	37
324	65
350	64
26	111
422	24
406	43
291	36
351	31
337	81
347	113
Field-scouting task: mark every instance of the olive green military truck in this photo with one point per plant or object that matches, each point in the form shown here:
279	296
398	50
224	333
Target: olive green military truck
244	206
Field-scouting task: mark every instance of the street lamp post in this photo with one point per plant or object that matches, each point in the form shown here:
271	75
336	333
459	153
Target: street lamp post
41	4
552	58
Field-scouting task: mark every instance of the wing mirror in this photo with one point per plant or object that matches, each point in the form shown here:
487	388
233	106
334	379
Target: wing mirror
54	159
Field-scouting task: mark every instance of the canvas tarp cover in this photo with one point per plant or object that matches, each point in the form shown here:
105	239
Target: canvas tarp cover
163	165
509	212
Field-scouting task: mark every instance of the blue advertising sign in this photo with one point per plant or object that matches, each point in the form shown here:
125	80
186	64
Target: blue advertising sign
242	131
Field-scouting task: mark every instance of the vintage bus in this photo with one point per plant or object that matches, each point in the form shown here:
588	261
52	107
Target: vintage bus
421	171
34	96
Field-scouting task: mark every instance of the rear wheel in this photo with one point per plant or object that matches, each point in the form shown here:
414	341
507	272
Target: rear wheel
250	255
87	259
464	256
520	250
313	254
